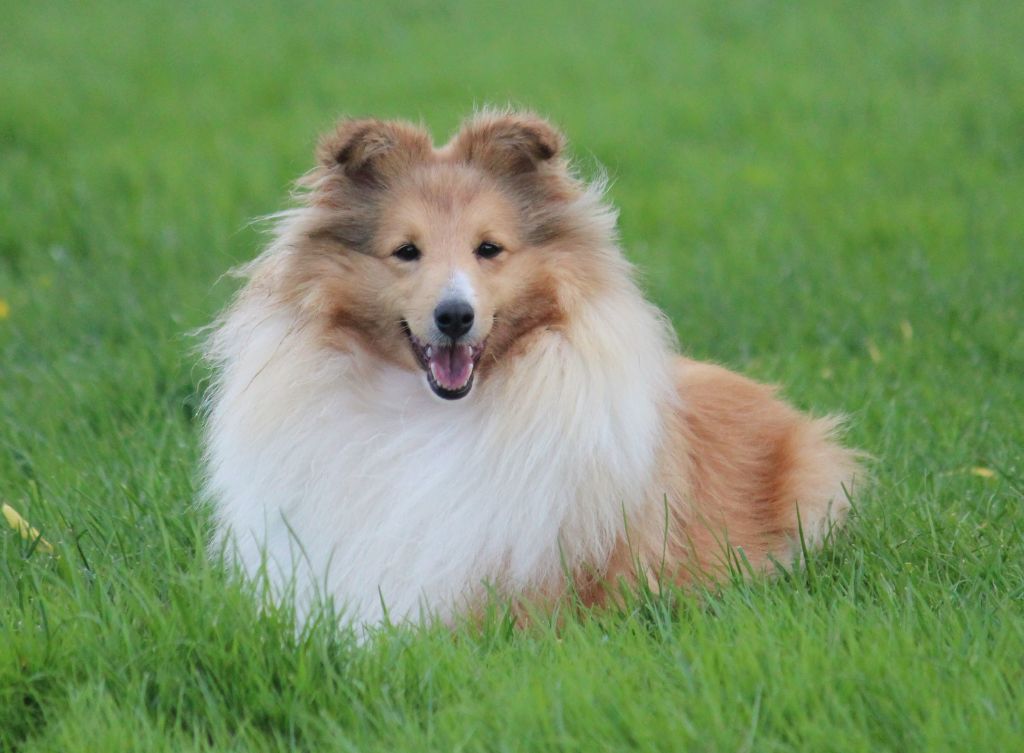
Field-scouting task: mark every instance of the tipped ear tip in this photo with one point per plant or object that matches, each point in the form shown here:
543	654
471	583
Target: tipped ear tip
355	143
550	140
335	146
547	135
522	131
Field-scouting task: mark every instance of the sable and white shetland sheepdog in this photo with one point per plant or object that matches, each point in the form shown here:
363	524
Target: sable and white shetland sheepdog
441	381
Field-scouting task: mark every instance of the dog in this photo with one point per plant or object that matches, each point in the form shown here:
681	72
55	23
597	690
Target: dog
441	382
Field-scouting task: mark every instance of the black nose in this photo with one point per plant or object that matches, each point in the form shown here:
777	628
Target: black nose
454	318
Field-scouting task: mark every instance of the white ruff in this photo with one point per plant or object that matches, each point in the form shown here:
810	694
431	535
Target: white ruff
351	480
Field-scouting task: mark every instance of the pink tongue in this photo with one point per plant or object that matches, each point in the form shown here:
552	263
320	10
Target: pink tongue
452	365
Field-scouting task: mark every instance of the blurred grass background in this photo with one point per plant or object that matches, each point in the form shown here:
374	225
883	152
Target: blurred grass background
823	194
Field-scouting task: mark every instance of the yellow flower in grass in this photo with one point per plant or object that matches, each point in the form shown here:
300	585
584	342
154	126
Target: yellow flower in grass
5	309
906	330
26	531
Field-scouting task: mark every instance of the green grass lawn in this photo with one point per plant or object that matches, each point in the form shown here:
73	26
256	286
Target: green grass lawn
824	195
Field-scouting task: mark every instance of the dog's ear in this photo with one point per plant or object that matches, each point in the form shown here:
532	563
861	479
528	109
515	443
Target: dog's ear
370	151
509	143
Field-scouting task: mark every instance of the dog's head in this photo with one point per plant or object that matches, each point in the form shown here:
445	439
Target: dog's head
441	260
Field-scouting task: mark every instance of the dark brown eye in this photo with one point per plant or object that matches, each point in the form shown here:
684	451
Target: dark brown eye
488	250
406	252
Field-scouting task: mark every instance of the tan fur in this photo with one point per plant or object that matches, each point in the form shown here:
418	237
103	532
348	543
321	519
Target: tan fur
743	477
739	466
736	463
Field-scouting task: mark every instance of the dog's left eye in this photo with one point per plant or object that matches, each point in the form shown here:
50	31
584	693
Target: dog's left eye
407	252
488	250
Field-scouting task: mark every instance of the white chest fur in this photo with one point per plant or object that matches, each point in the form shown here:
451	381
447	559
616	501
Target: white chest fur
354	482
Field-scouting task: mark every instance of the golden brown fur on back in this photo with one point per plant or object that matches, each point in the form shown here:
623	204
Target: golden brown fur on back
743	474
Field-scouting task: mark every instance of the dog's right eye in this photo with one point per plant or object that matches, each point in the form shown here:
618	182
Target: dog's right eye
406	252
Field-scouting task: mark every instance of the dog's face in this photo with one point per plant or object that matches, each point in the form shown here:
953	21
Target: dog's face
451	244
437	260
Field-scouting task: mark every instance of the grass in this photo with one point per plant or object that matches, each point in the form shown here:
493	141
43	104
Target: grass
824	195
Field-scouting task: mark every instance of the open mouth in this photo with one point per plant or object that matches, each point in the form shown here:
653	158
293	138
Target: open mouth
449	366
